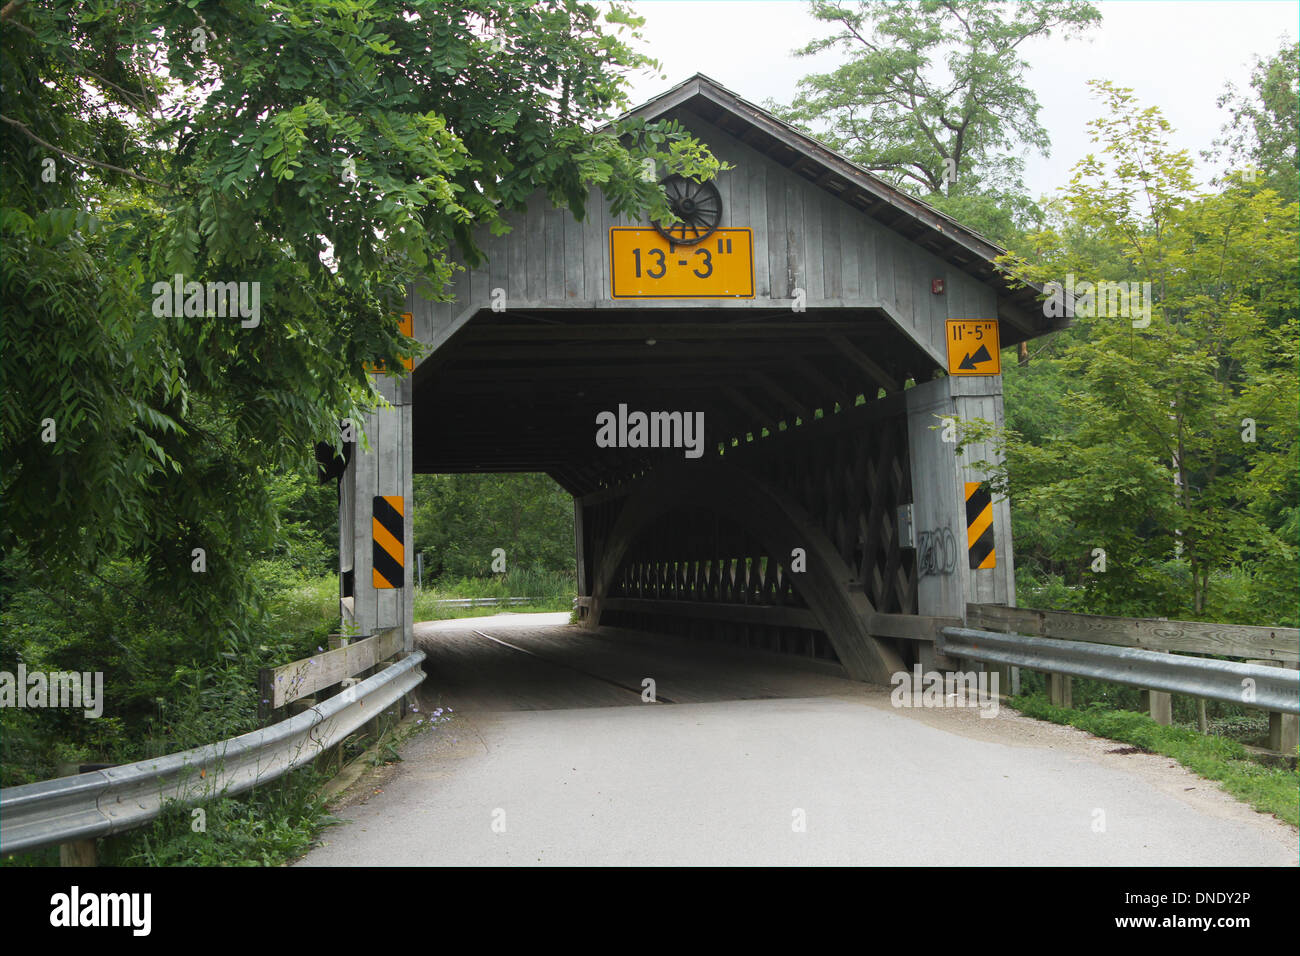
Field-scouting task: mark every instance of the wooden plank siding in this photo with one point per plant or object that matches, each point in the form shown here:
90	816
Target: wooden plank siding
804	237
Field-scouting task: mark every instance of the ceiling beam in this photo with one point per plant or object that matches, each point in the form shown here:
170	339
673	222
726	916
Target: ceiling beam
859	358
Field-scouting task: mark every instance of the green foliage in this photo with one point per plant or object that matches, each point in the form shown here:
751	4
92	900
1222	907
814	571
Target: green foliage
553	591
217	142
1264	129
1173	444
460	520
164	688
268	826
1269	789
933	98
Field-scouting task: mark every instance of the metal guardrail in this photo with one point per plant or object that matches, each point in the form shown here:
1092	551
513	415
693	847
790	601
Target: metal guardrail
1274	688
484	602
109	801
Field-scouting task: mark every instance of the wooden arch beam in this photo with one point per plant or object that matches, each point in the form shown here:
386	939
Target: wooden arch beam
834	596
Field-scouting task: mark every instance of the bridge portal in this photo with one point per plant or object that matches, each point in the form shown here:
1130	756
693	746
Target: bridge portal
750	416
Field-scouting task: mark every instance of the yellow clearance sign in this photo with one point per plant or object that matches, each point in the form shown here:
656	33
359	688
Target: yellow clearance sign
643	264
406	323
973	348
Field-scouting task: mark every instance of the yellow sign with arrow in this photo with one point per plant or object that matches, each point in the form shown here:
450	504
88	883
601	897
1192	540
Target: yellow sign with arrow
973	347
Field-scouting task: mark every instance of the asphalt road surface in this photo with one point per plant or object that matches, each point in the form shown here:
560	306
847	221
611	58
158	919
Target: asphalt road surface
550	755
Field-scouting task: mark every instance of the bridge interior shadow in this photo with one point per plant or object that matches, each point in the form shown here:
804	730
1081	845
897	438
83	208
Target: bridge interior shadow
512	662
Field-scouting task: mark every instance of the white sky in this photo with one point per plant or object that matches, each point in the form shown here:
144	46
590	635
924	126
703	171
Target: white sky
1175	54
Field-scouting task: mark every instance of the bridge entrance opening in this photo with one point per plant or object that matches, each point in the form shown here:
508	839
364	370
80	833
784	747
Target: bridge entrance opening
759	434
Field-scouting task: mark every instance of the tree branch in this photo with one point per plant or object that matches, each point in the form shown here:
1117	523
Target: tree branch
79	159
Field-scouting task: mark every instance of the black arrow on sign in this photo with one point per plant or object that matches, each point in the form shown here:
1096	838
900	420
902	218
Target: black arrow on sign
970	361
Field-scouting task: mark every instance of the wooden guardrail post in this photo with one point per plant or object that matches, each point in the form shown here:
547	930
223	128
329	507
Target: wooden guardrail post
375	728
1159	704
1283	729
1283	732
1060	687
78	852
1060	690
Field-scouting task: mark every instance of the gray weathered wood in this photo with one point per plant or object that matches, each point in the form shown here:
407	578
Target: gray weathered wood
301	678
1190	637
911	627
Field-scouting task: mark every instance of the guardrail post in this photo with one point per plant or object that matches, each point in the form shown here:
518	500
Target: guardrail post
1008	679
1060	687
1060	690
1159	704
1283	729
395	711
1283	732
78	852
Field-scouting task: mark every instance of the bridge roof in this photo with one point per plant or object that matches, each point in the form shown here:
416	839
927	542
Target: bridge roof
1018	302
519	389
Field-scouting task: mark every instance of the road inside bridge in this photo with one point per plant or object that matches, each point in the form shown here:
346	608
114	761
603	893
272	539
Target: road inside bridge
552	757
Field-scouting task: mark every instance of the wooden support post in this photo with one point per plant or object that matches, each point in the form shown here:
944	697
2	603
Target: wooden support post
1060	690
374	728
1282	728
1007	681
1282	732
79	853
1159	704
1202	722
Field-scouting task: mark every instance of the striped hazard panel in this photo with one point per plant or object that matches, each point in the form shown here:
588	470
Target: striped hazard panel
979	526
389	566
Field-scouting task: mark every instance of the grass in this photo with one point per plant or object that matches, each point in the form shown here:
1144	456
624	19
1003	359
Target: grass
1271	790
553	592
1235	721
267	826
310	606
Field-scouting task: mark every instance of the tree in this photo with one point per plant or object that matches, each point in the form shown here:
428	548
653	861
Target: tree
1263	133
1176	444
933	97
321	156
461	519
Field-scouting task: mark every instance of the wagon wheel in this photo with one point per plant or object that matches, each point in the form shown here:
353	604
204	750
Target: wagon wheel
698	204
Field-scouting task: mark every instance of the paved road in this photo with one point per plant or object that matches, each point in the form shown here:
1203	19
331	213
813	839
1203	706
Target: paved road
552	757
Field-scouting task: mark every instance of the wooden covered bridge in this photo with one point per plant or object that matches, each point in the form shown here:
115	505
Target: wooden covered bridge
817	324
